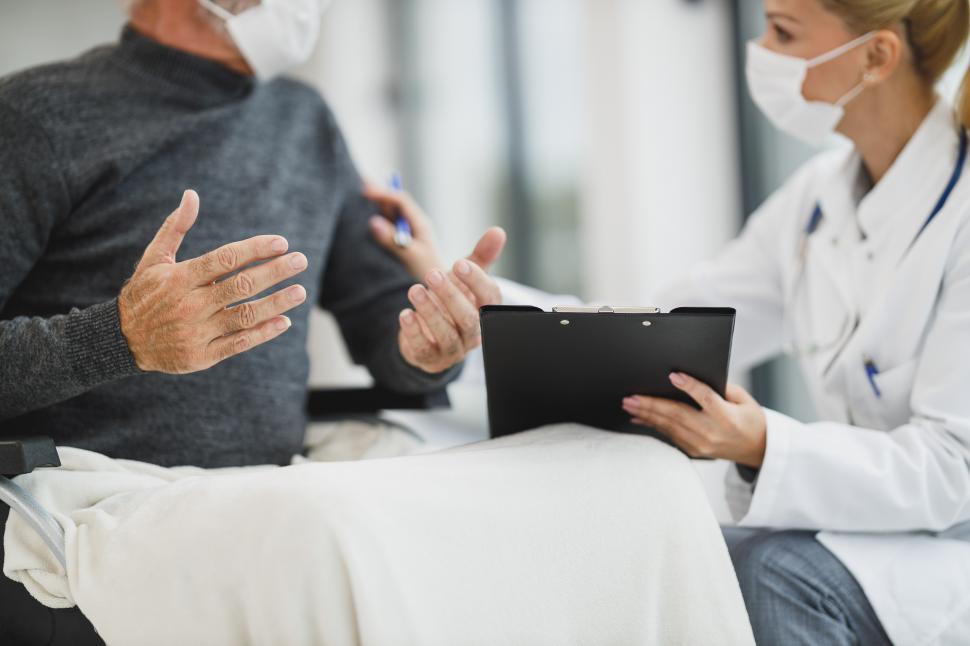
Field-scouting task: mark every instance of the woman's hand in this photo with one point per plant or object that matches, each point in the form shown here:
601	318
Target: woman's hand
421	255
732	429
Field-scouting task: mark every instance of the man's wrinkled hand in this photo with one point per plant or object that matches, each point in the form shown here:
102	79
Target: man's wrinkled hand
444	324
181	317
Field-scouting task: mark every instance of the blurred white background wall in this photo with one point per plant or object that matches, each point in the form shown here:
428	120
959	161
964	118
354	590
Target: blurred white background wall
661	182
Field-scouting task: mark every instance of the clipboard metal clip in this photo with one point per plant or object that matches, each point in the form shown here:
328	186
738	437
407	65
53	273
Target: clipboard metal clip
606	309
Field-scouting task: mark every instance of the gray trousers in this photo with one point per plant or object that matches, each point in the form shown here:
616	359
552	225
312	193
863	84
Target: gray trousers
797	592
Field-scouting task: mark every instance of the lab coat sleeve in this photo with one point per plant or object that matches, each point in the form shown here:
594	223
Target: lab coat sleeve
832	476
44	360
748	275
514	293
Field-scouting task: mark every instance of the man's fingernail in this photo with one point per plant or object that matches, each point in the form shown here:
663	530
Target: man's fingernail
298	261
279	245
435	277
282	323
677	379
630	402
418	295
297	293
407	317
463	267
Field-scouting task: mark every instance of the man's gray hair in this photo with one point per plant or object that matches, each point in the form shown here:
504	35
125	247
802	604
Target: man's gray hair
231	5
128	5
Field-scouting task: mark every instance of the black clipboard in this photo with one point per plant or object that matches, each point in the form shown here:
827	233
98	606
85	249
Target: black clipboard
554	367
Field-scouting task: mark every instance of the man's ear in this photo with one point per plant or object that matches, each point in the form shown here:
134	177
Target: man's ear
885	51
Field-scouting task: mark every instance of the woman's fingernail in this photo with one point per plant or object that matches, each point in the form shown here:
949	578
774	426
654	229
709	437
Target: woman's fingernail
297	293
630	402
282	323
435	278
279	245
418	295
677	379
462	267
407	317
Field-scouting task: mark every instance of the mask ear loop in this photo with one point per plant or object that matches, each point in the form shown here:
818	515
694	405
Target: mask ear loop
856	91
838	51
221	12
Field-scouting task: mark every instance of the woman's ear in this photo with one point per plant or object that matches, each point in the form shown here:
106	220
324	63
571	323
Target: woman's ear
885	51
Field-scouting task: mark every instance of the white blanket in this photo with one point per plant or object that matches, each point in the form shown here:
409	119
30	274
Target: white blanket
564	535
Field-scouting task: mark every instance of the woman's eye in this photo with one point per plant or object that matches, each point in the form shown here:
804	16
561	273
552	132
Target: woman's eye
782	35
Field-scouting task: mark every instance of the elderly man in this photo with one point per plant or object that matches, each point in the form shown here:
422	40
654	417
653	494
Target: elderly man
190	359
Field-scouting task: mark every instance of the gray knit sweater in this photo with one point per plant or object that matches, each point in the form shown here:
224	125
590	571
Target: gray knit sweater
94	154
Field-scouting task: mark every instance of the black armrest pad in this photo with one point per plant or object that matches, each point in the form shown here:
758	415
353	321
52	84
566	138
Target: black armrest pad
23	455
323	404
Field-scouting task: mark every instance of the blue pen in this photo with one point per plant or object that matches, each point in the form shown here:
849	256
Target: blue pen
402	230
871	372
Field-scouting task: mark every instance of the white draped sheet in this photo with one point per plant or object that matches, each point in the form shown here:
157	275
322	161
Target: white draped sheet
563	535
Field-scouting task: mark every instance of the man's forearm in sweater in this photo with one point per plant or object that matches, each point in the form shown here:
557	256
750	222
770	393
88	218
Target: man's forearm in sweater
47	360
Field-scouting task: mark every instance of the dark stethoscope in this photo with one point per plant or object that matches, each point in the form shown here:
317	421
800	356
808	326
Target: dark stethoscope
850	324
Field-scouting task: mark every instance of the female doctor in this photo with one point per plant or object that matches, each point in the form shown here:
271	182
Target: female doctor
860	267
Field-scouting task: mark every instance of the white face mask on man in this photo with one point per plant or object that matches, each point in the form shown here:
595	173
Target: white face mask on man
275	35
775	83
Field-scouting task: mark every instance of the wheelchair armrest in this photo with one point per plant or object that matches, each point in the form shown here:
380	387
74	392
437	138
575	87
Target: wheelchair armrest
330	403
22	455
17	457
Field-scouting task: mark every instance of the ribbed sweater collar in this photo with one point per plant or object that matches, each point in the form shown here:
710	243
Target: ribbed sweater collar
210	82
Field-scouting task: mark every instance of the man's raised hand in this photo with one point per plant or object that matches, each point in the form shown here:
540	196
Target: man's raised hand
443	326
179	317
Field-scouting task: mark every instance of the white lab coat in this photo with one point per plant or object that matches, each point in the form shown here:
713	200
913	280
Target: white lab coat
886	479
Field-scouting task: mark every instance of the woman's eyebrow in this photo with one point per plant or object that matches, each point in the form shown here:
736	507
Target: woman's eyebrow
778	15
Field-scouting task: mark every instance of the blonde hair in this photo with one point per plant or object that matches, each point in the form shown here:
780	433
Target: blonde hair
936	31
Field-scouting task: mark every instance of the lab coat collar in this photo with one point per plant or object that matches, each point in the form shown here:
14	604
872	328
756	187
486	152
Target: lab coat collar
891	214
902	200
897	206
836	197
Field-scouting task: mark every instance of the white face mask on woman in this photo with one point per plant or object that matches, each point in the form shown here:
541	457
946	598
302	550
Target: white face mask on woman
275	35
775	83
